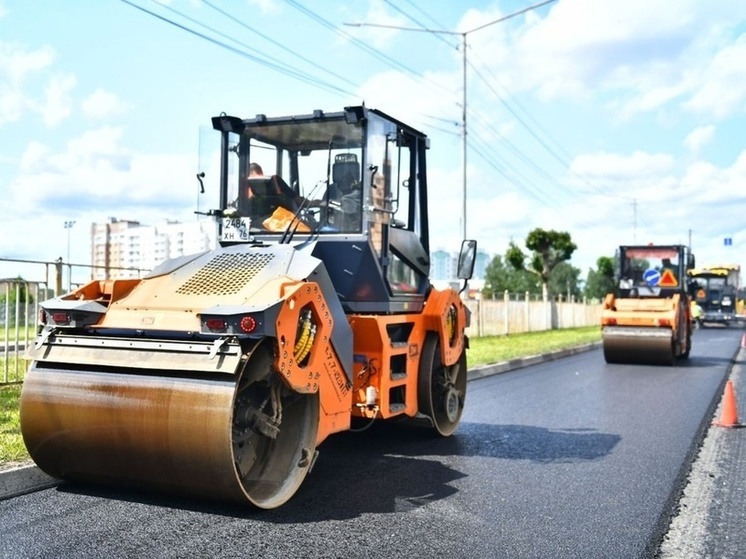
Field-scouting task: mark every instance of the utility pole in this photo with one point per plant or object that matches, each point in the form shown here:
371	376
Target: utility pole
464	35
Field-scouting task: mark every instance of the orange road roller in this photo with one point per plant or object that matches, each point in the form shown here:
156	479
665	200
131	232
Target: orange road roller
647	319
218	374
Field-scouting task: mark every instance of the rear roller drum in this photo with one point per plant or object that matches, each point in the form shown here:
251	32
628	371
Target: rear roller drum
441	388
208	436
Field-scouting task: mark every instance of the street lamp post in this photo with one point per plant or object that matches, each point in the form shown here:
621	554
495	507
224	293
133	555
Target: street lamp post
464	35
68	226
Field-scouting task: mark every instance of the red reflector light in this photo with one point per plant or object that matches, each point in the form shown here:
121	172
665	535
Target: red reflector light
216	324
664	322
248	324
61	317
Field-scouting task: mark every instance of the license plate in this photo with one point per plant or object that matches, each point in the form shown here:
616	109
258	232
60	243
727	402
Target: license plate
235	229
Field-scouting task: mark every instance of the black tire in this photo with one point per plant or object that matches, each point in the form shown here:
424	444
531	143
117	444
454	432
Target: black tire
441	389
685	355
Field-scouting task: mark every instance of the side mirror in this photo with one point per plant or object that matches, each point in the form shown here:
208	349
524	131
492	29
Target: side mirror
690	264
466	259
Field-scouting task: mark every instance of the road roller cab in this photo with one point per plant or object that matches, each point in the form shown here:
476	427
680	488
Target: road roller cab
220	373
647	318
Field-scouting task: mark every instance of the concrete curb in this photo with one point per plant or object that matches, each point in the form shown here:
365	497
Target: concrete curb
24	479
29	478
513	364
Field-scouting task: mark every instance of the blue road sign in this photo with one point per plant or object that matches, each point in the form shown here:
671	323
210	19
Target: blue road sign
651	277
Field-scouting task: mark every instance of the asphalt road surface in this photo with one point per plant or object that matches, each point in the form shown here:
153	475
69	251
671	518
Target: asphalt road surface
572	458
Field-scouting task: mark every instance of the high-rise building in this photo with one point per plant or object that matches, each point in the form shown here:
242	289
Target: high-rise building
481	261
127	249
443	265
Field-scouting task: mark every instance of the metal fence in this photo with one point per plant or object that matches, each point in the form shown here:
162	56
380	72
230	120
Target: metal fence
515	315
18	320
19	310
23	284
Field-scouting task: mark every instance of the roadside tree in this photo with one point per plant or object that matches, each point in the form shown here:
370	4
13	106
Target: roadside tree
548	250
565	280
500	276
600	281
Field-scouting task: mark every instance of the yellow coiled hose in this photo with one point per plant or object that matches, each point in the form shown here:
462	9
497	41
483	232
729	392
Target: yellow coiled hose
307	334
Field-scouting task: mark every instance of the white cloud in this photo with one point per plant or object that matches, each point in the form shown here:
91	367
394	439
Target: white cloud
661	203
699	137
94	172
11	104
648	52
16	62
92	178
710	185
101	104
583	44
614	167
17	68
266	6
57	103
17	65
719	91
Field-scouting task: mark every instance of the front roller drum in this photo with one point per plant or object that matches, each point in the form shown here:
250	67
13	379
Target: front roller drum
441	389
237	438
639	345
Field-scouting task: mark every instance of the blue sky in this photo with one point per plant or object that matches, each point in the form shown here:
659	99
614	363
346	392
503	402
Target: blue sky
619	122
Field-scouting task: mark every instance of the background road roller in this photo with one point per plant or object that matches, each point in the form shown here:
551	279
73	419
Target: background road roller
716	292
647	319
218	374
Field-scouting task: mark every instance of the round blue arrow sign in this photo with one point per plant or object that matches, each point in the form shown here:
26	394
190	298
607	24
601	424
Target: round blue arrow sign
651	277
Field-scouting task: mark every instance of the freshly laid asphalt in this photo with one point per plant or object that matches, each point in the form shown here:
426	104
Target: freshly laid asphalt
28	477
711	516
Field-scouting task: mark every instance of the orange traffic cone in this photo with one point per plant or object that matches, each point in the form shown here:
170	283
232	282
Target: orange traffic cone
729	414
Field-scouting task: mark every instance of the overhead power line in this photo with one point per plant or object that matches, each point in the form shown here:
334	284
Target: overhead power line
263	60
362	45
416	22
553	152
278	44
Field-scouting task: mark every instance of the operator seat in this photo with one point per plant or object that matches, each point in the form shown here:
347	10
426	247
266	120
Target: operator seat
346	172
345	192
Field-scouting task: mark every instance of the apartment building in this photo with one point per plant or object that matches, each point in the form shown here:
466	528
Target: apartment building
128	249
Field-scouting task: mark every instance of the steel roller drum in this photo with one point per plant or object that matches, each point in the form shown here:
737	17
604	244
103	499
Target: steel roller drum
166	432
626	344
